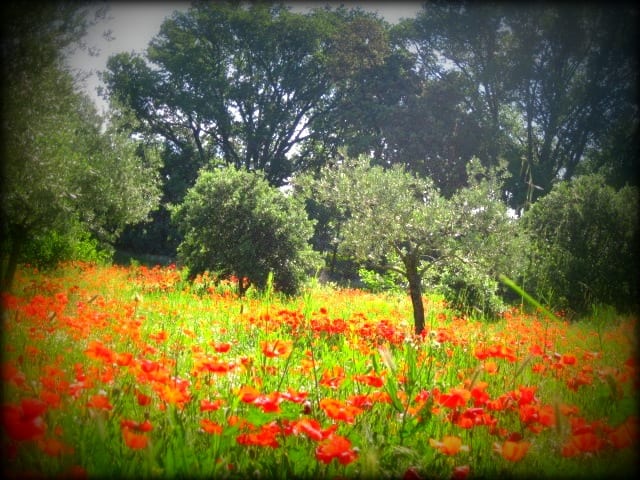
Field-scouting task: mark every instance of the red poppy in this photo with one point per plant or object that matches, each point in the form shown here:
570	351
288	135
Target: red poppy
100	402
222	347
411	473
136	426
124	359
133	440
98	351
371	380
457	397
268	403
310	427
265	437
52	399
460	473
210	426
209	406
294	396
12	374
582	443
337	410
336	447
24	421
143	400
54	447
626	434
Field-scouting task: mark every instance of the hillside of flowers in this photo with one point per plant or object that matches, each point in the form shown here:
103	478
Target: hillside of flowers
135	372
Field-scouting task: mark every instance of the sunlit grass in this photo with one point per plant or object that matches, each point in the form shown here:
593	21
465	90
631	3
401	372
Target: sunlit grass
135	372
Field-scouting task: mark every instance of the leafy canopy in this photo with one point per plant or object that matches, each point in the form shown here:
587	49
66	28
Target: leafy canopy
234	223
584	245
398	221
62	173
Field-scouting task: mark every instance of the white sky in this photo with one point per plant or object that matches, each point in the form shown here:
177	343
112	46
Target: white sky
133	24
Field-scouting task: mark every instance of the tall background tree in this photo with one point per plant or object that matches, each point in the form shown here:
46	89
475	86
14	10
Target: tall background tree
257	86
545	85
62	172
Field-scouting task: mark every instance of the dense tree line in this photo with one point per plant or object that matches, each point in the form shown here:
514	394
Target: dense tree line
462	119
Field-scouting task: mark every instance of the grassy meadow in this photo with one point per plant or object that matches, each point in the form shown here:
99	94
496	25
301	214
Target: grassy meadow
133	372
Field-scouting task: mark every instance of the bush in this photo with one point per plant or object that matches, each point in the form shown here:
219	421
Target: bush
234	223
50	248
584	245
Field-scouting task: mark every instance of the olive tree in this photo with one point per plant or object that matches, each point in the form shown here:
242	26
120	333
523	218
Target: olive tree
63	175
233	222
399	222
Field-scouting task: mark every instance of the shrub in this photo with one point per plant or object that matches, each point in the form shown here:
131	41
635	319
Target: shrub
234	223
49	248
584	245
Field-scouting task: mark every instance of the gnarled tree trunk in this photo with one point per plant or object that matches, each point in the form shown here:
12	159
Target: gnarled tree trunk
415	291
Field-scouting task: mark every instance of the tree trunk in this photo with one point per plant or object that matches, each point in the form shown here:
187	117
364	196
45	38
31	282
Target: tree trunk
415	292
12	262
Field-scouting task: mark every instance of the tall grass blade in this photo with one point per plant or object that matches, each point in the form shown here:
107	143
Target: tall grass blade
516	288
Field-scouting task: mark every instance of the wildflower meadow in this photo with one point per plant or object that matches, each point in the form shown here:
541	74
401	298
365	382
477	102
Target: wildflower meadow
135	372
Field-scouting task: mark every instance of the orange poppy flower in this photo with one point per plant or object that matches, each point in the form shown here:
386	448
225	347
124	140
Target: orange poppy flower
310	427
277	348
210	426
337	410
336	447
449	445
457	397
371	380
512	451
133	440
248	394
265	437
209	406
100	402
490	366
333	378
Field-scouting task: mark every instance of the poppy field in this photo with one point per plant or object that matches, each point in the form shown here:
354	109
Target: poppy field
135	372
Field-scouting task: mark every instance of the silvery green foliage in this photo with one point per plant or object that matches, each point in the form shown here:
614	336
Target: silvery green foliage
64	176
400	222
